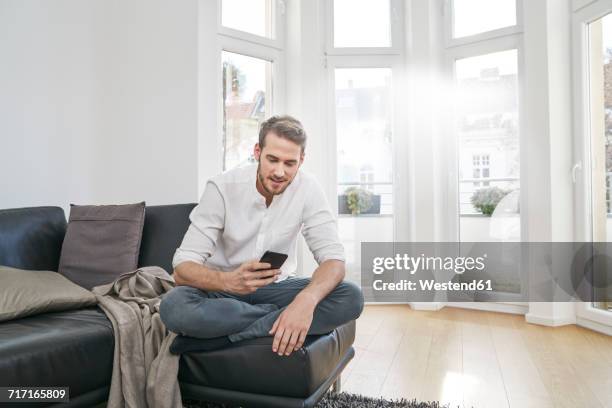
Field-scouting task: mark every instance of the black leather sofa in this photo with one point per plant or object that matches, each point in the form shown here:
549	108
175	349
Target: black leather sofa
75	348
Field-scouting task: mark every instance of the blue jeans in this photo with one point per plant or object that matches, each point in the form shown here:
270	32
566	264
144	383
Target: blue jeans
193	312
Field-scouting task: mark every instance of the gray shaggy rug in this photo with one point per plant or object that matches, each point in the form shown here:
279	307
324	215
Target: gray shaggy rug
342	400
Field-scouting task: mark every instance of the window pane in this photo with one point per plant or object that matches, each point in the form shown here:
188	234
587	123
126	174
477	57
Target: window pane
477	16
252	16
362	23
363	131
487	127
364	159
246	85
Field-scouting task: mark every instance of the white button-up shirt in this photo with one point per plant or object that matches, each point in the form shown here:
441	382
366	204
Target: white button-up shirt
232	225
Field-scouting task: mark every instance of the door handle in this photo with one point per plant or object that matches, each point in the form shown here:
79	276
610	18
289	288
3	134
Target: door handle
575	168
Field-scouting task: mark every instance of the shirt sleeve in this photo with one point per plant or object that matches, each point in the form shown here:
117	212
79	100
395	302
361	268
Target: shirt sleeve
320	229
207	222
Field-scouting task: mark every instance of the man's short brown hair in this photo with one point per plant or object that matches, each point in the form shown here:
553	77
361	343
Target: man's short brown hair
284	126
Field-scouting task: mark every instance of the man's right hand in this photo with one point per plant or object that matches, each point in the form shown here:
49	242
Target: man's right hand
249	277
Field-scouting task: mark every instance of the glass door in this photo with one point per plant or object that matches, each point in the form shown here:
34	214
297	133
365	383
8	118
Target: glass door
599	172
487	131
364	151
592	68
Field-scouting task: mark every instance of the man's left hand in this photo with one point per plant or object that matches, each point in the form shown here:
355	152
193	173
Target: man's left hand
291	327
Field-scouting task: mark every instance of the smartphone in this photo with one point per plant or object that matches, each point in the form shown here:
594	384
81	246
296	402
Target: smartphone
275	259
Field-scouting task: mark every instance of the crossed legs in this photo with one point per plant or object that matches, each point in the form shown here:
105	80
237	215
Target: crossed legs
192	312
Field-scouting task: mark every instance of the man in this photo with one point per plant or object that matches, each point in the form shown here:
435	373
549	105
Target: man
224	294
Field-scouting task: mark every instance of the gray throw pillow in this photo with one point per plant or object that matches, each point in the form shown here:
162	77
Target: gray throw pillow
101	242
24	293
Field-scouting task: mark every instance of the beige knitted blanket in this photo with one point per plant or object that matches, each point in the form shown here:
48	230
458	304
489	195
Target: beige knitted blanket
144	370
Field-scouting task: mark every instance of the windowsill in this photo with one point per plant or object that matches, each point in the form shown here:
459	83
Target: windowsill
483	216
391	215
365	216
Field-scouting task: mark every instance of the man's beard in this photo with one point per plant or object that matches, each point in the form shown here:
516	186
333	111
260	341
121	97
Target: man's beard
261	179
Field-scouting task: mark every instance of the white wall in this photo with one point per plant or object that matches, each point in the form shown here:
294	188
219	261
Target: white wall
48	106
98	102
146	146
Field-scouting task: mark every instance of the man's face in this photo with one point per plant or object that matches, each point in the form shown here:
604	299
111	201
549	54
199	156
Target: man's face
279	162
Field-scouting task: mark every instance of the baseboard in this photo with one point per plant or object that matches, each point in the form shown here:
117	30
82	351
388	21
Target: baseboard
593	325
427	306
549	321
510	308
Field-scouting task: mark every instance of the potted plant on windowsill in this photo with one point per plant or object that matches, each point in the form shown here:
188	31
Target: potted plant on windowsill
486	199
356	200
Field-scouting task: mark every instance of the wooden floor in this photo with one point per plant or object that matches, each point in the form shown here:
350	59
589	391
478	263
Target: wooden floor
478	359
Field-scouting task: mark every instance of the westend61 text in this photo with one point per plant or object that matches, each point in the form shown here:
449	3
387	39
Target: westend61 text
431	284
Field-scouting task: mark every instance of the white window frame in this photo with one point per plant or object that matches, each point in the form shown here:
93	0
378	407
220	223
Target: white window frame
586	315
396	19
449	22
251	45
278	27
394	63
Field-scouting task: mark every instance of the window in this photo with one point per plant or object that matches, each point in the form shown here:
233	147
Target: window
363	107
250	73
472	17
246	94
250	16
487	134
487	126
480	165
364	55
363	134
487	110
362	23
366	176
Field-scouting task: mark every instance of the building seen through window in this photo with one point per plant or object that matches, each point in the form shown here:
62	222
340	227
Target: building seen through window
245	84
